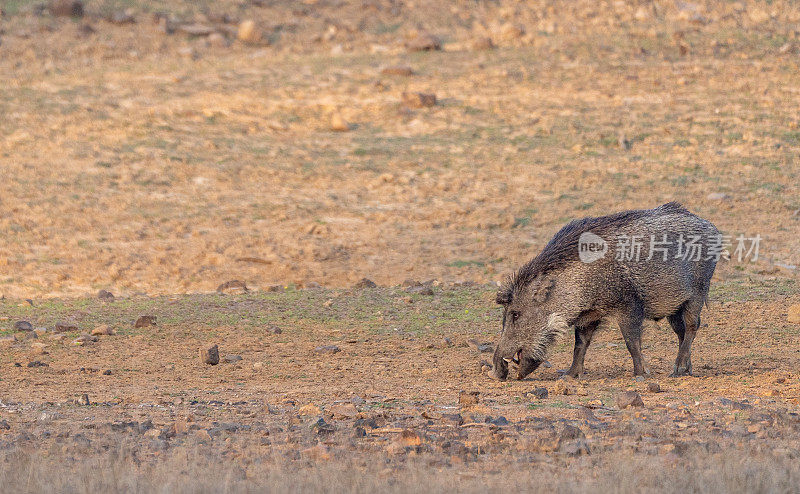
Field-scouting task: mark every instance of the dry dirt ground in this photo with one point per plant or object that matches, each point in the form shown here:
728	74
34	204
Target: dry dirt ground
152	163
392	405
162	157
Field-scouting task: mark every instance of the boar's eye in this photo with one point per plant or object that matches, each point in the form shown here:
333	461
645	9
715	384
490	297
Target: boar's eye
514	316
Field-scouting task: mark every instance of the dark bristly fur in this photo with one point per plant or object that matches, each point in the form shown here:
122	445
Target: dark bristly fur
555	291
563	247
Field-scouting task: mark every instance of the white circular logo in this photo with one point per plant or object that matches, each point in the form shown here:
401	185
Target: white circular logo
591	247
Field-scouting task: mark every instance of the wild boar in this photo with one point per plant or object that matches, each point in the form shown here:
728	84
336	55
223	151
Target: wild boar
622	268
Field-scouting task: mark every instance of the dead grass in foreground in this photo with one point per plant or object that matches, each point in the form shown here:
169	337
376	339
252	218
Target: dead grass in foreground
190	470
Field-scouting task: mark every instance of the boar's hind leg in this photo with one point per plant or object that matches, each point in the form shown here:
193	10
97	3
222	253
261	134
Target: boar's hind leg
685	323
631	327
583	336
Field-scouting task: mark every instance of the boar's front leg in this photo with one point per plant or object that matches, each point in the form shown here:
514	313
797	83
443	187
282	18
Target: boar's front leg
631	326
583	336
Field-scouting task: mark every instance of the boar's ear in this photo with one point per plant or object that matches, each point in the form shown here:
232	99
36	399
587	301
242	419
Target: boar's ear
504	295
506	292
541	288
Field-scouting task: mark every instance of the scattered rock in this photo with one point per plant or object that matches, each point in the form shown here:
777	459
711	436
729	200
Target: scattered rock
718	196
446	342
571	433
84	339
564	387
484	43
467	398
627	399
258	365
735	405
424	42
338	123
210	355
39	347
365	283
418	100
105	295
202	435
145	321
66	8
83	400
102	330
274	330
398	70
539	393
37	363
321	427
481	347
420	289
4	425
107	372
343	411
310	409
247	32
233	286
23	326
232	358
327	349
499	421
196	29
510	31
127	16
574	448
572	441
794	314
654	387
64	327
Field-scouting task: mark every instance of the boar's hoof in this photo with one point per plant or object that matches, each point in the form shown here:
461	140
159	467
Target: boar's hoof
682	371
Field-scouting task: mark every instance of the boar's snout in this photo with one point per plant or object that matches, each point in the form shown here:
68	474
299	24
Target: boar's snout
525	365
499	367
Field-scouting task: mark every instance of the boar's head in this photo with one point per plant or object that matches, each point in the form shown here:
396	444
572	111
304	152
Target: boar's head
531	324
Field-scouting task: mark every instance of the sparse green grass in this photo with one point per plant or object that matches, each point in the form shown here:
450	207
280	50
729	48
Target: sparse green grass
376	310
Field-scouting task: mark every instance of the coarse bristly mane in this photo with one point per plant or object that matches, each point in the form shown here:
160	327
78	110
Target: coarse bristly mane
562	249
